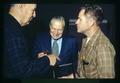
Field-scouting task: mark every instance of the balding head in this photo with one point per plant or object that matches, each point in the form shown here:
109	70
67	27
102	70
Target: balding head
23	13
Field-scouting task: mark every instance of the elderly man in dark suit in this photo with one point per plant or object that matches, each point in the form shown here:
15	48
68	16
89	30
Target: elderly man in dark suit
17	62
63	46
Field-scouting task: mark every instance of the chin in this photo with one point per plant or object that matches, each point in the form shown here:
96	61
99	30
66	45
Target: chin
78	31
56	38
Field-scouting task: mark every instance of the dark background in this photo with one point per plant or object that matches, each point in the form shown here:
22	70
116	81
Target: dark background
70	9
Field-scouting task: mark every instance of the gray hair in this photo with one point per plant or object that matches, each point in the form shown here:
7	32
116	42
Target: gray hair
59	19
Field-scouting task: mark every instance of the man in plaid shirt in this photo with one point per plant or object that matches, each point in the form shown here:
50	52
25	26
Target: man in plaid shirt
96	58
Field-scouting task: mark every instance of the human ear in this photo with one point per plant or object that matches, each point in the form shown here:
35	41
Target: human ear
91	22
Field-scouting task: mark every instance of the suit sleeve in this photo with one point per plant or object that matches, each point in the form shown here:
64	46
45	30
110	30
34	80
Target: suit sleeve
74	55
36	46
19	64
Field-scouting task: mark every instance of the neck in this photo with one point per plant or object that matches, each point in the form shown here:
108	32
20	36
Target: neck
92	31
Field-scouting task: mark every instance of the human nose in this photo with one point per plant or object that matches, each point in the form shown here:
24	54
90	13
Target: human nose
76	22
56	31
34	14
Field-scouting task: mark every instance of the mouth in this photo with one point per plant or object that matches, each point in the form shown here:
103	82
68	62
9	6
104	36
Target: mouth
56	37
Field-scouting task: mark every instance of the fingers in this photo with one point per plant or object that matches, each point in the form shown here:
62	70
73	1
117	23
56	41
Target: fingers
41	54
52	59
57	58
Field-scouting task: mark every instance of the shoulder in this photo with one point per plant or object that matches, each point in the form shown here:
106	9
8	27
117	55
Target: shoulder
103	40
70	39
104	45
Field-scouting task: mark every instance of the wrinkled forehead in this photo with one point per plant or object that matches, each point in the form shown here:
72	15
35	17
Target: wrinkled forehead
56	22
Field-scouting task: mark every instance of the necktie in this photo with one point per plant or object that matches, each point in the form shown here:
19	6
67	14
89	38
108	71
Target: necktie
55	48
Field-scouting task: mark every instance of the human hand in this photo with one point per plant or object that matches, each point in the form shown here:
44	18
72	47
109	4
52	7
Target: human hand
67	77
41	54
53	58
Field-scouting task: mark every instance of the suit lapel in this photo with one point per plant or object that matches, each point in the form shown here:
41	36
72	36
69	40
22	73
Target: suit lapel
63	48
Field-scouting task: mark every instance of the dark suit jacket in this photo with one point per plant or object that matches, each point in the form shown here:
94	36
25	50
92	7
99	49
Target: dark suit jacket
68	53
17	63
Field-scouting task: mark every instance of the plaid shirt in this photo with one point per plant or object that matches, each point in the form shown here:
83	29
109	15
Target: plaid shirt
96	58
